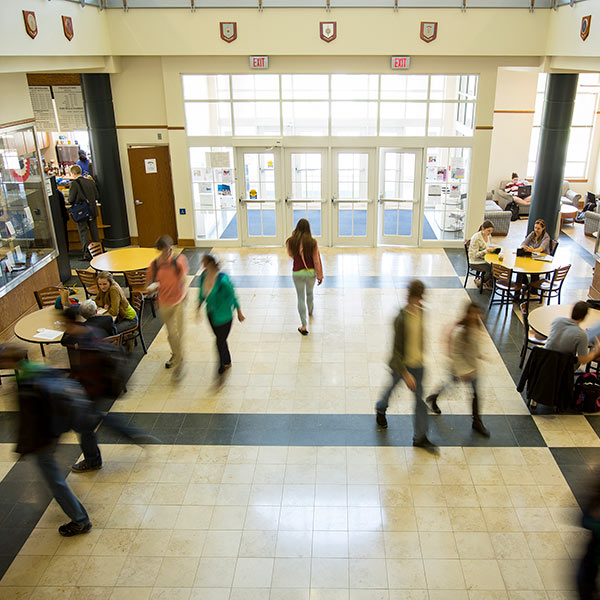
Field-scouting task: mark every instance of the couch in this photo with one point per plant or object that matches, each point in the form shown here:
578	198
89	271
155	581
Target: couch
500	218
591	225
501	198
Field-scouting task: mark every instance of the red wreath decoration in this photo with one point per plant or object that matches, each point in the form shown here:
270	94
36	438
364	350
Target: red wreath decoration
23	174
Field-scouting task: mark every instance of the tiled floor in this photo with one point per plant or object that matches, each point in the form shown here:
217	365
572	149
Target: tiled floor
278	486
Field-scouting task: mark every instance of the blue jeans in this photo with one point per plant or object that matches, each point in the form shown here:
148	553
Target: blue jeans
420	420
60	490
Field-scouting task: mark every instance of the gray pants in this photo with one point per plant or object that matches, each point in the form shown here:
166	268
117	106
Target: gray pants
84	234
304	283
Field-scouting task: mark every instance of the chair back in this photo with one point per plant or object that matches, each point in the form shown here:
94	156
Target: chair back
553	247
135	278
467	246
560	274
87	279
95	248
46	296
137	301
113	339
501	274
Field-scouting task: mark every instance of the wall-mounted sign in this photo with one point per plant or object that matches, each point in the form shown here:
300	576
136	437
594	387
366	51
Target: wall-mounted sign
400	62
69	107
586	23
228	31
30	23
68	27
428	31
150	165
259	62
328	30
43	110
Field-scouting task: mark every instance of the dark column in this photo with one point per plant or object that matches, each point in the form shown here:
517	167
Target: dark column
100	115
552	150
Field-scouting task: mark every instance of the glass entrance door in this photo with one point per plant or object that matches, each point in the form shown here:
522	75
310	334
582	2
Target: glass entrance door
353	197
260	198
306	192
399	196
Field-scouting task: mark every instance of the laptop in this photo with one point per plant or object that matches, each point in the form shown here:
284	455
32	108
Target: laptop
524	191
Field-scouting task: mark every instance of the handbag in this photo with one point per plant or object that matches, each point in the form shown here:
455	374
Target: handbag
80	212
513	207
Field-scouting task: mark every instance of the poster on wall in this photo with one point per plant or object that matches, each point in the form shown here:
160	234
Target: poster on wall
43	110
218	160
457	167
69	107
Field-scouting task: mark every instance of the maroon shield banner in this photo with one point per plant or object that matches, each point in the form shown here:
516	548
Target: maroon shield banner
586	23
429	30
30	23
328	30
68	27
228	31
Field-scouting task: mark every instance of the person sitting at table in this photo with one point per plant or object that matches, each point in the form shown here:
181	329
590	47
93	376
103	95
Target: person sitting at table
568	337
512	188
538	240
480	245
111	297
89	311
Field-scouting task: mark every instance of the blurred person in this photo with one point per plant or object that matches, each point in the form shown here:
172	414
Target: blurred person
512	188
480	245
84	190
587	573
407	364
89	311
111	297
307	268
49	404
464	351
217	291
168	272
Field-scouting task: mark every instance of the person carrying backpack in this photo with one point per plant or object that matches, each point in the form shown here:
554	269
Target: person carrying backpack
50	404
169	272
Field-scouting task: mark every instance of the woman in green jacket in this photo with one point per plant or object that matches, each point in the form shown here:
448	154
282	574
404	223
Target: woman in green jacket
218	292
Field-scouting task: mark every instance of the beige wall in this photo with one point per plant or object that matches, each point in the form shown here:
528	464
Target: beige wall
15	104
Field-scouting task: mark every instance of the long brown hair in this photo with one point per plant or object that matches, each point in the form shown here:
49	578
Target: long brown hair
543	224
464	322
301	238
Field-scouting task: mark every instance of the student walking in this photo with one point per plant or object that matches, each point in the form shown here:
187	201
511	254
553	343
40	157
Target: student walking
217	291
307	268
407	364
84	191
464	351
169	271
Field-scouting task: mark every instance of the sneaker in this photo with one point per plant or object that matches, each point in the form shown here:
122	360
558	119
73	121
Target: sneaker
303	331
82	467
71	529
170	362
426	444
479	427
381	420
178	373
431	401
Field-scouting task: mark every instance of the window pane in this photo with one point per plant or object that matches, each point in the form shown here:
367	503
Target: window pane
305	87
305	118
588	79
399	175
533	144
585	107
255	87
306	176
311	211
404	87
444	87
353	175
256	118
352	219
443	119
579	144
205	87
539	107
402	118
575	169
208	118
259	169
261	219
354	87
354	118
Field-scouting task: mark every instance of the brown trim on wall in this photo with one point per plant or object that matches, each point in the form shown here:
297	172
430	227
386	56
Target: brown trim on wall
53	79
514	112
14	123
577	180
186	243
479	127
176	128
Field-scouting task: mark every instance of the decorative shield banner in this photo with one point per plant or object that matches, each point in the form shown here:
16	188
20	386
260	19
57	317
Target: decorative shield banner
30	23
429	30
228	31
328	30
68	27
586	23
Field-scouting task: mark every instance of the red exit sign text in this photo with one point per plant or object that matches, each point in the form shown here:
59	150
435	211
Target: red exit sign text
400	62
259	62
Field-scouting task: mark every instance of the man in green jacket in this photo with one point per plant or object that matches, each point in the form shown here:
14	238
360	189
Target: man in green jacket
407	364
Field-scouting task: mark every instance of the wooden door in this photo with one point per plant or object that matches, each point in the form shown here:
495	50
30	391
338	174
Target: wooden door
150	169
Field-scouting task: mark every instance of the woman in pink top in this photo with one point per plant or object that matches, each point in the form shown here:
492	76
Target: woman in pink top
303	248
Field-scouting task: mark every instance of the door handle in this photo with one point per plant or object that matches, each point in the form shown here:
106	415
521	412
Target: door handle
138	202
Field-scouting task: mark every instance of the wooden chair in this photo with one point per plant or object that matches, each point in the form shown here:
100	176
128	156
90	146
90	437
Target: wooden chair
88	282
137	301
531	338
46	296
472	269
95	248
115	340
551	287
504	287
136	282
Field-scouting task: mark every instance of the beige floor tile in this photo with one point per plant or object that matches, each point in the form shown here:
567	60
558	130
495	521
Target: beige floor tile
520	575
291	573
474	545
482	575
102	571
437	544
444	574
329	573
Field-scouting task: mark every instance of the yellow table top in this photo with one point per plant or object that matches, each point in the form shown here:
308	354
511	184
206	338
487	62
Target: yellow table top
46	318
540	319
523	264
124	259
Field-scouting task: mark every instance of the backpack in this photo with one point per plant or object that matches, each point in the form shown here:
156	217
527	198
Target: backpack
587	393
513	207
174	264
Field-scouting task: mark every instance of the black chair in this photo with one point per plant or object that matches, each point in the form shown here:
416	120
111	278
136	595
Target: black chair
503	287
137	301
553	247
551	287
472	269
531	338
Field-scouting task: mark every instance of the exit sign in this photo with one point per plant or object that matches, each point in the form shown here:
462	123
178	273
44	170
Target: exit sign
259	62
400	62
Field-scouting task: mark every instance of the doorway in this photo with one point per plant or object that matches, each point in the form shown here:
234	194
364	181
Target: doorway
150	168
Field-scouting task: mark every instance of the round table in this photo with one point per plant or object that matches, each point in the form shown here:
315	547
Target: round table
124	259
523	264
541	318
567	213
46	318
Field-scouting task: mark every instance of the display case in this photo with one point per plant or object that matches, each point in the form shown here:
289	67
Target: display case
27	241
